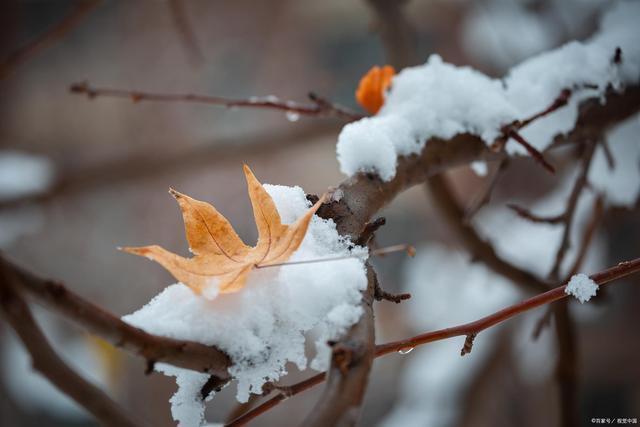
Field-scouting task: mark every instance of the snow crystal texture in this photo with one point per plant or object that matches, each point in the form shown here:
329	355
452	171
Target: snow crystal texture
581	287
263	326
441	100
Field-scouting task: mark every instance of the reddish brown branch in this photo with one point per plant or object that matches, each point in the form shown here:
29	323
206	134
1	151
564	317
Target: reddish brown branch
604	277
277	399
621	270
535	154
320	106
68	23
50	365
530	216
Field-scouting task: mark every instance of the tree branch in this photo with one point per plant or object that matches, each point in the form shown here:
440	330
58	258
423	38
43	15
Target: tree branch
68	23
185	354
453	213
604	277
319	106
49	364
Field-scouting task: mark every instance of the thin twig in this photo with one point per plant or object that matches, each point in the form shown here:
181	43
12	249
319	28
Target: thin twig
570	210
185	30
453	213
484	197
530	216
604	277
589	233
68	23
318	108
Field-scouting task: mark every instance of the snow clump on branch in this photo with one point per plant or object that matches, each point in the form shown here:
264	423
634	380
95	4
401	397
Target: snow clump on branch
263	327
441	100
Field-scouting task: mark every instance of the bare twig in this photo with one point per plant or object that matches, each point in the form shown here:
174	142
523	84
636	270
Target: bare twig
604	277
572	203
49	364
481	200
68	23
187	35
530	216
535	154
451	211
589	233
468	344
320	106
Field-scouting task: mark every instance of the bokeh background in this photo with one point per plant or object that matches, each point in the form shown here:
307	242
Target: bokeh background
79	177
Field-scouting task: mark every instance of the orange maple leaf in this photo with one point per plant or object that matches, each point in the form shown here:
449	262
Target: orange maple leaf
221	258
370	93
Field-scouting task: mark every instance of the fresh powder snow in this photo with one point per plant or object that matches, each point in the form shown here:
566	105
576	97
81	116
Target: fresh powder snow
581	287
263	327
441	100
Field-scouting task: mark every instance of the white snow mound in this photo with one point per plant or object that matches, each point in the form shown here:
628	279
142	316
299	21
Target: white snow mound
263	326
441	100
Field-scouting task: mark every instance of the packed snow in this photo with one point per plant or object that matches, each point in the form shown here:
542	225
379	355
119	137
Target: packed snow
441	100
581	287
264	326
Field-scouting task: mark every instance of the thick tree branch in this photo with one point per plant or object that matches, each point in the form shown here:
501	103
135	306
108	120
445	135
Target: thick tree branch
185	354
49	364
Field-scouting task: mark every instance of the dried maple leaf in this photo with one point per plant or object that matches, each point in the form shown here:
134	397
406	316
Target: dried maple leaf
221	259
370	93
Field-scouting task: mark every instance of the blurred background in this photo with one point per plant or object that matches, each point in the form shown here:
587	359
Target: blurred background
79	177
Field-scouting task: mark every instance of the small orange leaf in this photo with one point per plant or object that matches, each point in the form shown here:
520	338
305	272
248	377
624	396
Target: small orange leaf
221	258
370	93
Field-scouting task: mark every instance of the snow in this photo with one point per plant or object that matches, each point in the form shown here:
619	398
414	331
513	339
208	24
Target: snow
440	100
479	167
263	327
581	287
23	174
620	184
